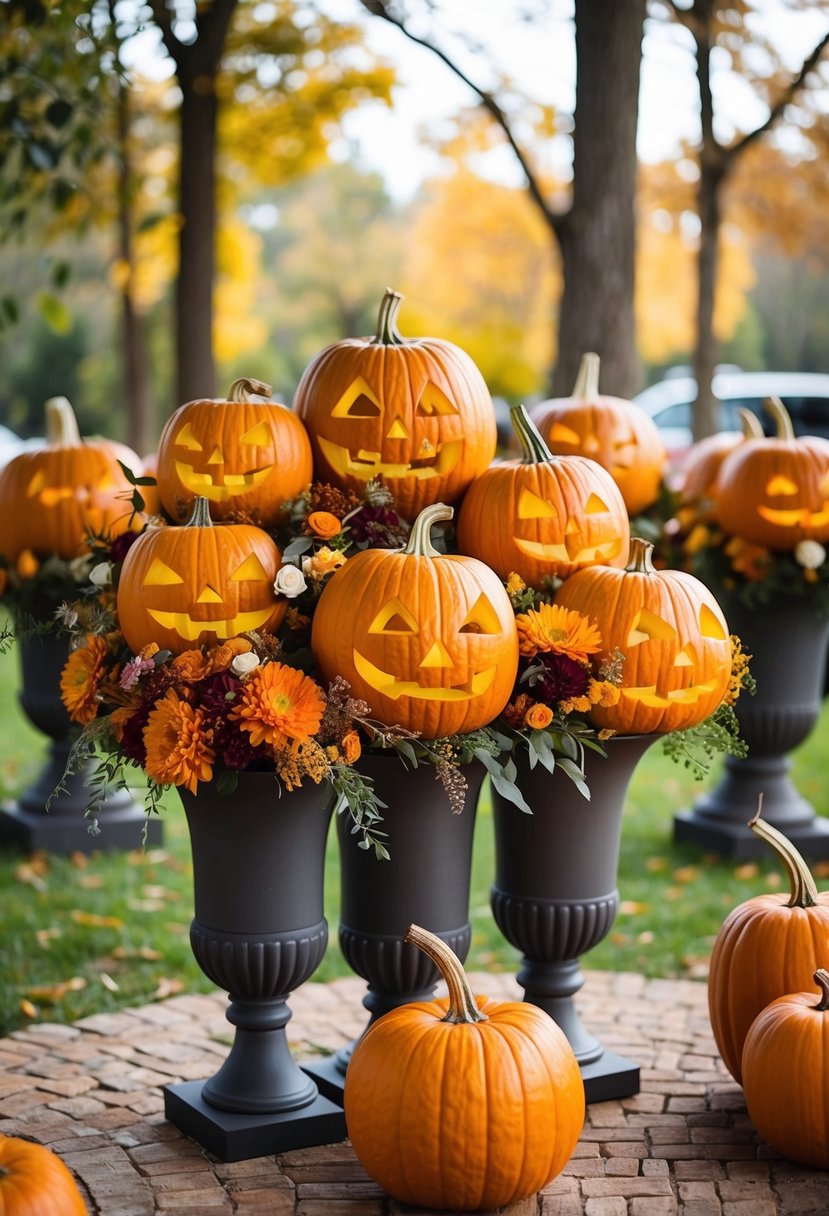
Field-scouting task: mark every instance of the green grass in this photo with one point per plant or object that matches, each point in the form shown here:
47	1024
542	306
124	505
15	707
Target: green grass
112	930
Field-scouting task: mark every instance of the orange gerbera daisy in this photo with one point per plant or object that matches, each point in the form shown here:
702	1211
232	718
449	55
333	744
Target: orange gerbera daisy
178	743
278	704
81	677
553	629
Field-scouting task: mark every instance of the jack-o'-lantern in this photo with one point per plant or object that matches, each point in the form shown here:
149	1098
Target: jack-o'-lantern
702	464
414	411
617	434
198	584
53	498
429	641
672	634
775	492
544	516
239	454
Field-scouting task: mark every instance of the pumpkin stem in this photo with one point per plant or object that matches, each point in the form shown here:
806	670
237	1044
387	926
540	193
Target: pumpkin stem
803	887
61	424
420	541
752	427
778	411
200	516
462	1005
821	978
533	446
244	388
640	557
387	332
587	381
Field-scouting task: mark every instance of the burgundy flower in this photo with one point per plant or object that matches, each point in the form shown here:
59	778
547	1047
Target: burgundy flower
132	738
121	546
561	678
233	747
217	694
379	527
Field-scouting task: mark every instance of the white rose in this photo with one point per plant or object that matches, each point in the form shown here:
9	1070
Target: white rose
289	582
244	663
79	568
101	575
810	554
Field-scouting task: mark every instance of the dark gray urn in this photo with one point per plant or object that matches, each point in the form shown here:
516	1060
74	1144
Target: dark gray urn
64	828
788	644
555	895
259	933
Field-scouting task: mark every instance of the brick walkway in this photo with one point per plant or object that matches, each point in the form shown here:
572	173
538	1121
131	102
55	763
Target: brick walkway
683	1146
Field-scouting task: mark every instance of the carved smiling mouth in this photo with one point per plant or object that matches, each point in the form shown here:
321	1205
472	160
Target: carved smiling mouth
382	681
435	461
679	696
184	625
799	515
560	553
226	487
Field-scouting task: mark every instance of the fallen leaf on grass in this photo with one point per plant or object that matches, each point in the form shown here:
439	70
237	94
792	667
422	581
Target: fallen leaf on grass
156	856
108	982
159	892
178	930
32	874
686	874
773	879
43	937
631	907
749	870
91	882
28	1009
56	992
79	860
821	869
696	966
143	952
167	988
656	864
94	920
147	905
647	938
672	894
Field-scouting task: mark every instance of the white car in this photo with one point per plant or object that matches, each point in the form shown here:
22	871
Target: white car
10	445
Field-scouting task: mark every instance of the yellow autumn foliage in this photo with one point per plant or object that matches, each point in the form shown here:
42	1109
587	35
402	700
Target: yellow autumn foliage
237	327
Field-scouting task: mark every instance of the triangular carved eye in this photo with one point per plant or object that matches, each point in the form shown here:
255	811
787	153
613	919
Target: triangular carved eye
595	506
259	435
647	626
709	626
160	575
433	402
559	433
393	617
250	571
358	401
530	506
781	485
481	618
186	439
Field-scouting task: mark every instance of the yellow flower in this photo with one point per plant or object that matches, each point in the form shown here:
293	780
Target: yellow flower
279	704
81	677
323	562
178	744
538	716
552	629
515	584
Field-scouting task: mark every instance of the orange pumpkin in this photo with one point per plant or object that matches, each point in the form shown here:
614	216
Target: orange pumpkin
53	498
201	583
767	946
429	641
702	464
786	1074
415	412
618	434
543	516
35	1182
463	1103
240	454
775	492
672	634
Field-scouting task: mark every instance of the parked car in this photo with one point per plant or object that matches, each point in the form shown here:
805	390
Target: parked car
804	394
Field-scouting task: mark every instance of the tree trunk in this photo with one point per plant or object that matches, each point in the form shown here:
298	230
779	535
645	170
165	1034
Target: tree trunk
706	415
597	236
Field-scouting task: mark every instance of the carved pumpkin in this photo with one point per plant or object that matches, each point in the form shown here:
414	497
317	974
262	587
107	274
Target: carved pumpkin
53	498
702	464
618	434
775	492
672	633
415	411
35	1182
239	454
427	640
463	1103
198	584
786	1075
543	516
767	946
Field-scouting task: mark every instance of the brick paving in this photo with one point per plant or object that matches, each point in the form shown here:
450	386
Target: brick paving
684	1146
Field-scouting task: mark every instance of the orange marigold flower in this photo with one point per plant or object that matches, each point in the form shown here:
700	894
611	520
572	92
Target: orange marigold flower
747	559
575	705
27	564
553	629
603	692
80	678
191	665
324	524
351	746
178	743
538	716
278	704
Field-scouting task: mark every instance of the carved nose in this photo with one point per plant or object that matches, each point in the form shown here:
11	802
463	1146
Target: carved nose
438	656
208	596
216	456
397	430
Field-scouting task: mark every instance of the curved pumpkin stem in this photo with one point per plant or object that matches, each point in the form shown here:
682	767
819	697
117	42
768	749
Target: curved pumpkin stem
778	411
200	515
244	388
803	888
821	978
420	541
462	1005
61	424
387	332
587	381
532	445
751	426
640	557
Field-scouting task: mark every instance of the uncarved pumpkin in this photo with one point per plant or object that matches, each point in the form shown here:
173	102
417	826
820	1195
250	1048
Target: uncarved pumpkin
414	411
463	1103
35	1182
704	460
768	946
